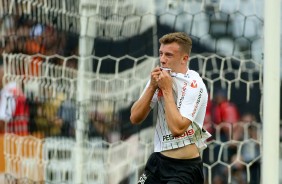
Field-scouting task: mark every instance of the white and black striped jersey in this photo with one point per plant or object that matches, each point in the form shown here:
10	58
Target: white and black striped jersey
191	99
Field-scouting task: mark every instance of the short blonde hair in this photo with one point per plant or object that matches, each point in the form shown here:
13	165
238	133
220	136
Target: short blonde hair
181	38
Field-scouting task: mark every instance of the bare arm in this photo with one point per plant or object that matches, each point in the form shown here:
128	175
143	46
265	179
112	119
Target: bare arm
141	108
176	122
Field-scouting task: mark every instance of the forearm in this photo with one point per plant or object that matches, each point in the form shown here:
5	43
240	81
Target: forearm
141	107
176	122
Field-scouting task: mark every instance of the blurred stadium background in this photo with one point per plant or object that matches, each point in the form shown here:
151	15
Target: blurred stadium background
81	65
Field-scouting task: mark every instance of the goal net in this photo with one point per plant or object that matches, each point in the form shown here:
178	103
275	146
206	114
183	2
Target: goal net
43	44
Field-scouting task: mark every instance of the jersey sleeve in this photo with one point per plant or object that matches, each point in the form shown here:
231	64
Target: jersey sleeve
194	104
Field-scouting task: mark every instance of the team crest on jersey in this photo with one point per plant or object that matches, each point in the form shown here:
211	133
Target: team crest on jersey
194	84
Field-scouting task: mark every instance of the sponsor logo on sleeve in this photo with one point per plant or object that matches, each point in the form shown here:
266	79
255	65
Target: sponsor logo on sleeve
183	92
197	102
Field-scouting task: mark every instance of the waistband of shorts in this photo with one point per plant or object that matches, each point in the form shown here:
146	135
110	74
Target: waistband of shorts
189	160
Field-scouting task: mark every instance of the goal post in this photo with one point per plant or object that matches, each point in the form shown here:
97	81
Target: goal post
86	44
271	95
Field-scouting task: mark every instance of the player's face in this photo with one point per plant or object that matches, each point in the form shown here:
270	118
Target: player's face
172	57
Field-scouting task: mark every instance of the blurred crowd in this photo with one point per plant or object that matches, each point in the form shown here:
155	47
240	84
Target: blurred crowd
241	133
23	114
22	35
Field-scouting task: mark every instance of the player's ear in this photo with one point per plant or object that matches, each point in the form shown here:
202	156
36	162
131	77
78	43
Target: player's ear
185	58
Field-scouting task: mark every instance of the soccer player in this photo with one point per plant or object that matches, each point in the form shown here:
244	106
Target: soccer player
181	98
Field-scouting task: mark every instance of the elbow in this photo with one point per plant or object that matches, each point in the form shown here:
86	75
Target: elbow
137	117
134	120
181	127
177	132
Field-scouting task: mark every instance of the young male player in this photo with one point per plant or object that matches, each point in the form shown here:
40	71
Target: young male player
181	98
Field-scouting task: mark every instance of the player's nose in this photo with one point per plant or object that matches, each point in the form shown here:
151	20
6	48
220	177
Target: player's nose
162	60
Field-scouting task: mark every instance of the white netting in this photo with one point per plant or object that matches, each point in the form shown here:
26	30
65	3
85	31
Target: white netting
112	19
23	157
229	72
42	76
224	28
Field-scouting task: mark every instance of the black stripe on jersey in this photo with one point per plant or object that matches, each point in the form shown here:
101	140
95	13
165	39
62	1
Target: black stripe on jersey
161	106
159	137
171	146
157	132
164	128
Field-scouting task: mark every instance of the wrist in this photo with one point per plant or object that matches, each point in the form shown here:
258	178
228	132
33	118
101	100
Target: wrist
167	91
168	96
152	88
